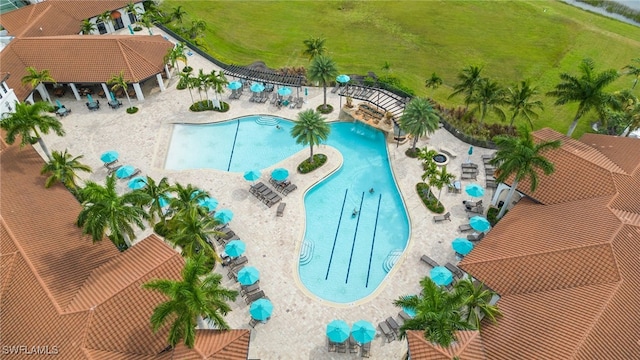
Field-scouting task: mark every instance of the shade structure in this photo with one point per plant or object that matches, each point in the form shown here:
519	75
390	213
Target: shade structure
441	276
137	182
234	85
284	91
235	248
363	332
343	79
257	87
252	175
261	309
462	246
338	331
474	190
248	275
208	202
280	174
125	171
109	156
224	216
478	223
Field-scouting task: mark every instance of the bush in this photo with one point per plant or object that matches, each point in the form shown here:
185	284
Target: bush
160	229
187	69
492	215
322	110
181	85
137	28
429	199
206	105
306	166
412	153
132	110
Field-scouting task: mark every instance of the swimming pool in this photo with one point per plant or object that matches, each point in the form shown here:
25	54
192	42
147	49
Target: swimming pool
343	257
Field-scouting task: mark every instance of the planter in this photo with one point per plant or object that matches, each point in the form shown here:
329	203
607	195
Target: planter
132	110
307	167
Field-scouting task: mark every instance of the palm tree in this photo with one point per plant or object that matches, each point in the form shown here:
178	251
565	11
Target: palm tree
204	82
63	167
521	104
176	54
132	9
190	229
310	129
323	69
419	118
28	121
147	20
178	14
625	108
119	82
477	301
314	47
105	17
198	294
469	79
217	82
522	158
433	82
186	197
103	210
489	96
587	90
440	179
154	192
87	27
633	70
35	78
197	28
187	79
437	313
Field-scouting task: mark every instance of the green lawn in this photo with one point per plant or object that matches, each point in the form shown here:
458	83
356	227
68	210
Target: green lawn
513	40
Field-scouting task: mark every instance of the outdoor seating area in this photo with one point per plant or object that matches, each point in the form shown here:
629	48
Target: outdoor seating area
284	187
439	218
341	337
489	171
265	194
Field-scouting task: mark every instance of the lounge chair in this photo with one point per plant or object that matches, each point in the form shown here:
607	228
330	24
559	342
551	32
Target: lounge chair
113	169
476	210
353	345
429	261
341	347
393	325
335	88
255	296
403	315
110	165
470	204
386	330
475	237
299	103
250	289
238	261
331	346
253	322
289	188
233	272
464	227
470	165
438	218
455	270
469	176
273	200
469	170
365	350
134	173
281	207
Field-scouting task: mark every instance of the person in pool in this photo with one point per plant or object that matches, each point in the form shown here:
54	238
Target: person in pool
354	213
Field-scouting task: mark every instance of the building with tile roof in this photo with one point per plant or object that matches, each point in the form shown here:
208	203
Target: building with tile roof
467	347
62	294
566	259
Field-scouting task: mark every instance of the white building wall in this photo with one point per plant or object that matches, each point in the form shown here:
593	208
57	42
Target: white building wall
8	100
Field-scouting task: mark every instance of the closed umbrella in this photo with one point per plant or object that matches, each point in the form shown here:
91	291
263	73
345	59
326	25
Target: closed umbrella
234	85
280	174
470	152
284	91
261	309
462	246
109	156
252	175
137	183
58	103
474	190
441	276
90	98
125	171
248	275
235	248
478	223
338	331
224	216
363	332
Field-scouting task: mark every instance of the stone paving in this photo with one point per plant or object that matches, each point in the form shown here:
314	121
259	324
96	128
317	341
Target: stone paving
297	327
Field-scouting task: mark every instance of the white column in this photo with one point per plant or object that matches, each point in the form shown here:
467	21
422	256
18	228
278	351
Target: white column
166	69
75	91
160	82
43	92
106	91
139	95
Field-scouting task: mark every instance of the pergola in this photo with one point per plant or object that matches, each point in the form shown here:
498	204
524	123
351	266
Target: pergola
264	76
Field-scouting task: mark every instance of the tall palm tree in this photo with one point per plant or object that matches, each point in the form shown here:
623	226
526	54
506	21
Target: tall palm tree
438	313
204	81
433	82
87	27
488	97
154	192
190	229
314	47
132	9
217	81
197	28
419	118
625	107
520	102
477	301
35	78
633	70
428	165
468	82
119	82
63	167
28	121
147	19
310	129
105	17
587	90
104	211
323	69
440	179
522	158
186	197
177	14
198	294
176	54
187	79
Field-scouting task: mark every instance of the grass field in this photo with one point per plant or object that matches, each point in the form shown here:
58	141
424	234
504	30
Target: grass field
513	40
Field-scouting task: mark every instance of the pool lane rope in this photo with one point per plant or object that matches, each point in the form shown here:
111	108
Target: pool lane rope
355	233
373	240
335	239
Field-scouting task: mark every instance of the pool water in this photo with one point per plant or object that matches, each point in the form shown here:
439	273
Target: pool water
344	257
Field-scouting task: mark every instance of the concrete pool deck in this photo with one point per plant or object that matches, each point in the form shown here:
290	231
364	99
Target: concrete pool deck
297	327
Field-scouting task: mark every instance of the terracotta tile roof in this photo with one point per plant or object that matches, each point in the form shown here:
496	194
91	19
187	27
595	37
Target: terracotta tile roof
216	344
467	347
623	151
140	57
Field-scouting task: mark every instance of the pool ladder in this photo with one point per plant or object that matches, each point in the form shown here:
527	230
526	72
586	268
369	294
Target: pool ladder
269	121
306	252
391	259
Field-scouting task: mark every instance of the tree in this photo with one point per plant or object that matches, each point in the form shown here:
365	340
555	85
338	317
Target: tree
28	121
428	165
520	102
104	211
186	197
176	54
119	82
438	313
190	229
63	167
419	118
197	28
204	82
522	158
87	27
105	17
440	179
323	69
217	81
147	20
587	90
154	192
488	97
35	78
477	301
310	129
132	9
433	82
188	80
468	82
624	113
177	14
314	47
633	70
198	294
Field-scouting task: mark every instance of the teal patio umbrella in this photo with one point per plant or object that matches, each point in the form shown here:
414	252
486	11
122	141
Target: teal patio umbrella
252	175
137	182
474	190
343	79
363	332
280	174
109	156
224	216
163	200
284	91
248	275
441	276
462	246
208	202
235	248
261	309
478	223
338	331
257	87
234	85
125	171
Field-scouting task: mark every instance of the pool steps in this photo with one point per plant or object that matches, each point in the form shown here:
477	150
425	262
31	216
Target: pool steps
269	121
391	259
306	252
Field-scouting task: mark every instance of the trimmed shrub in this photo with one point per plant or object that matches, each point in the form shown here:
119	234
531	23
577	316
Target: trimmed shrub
429	199
208	106
137	28
307	167
322	110
492	214
187	69
132	110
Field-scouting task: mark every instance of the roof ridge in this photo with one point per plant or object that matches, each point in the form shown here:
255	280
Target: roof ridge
8	271
625	217
85	331
134	50
612	166
126	59
239	334
31	19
